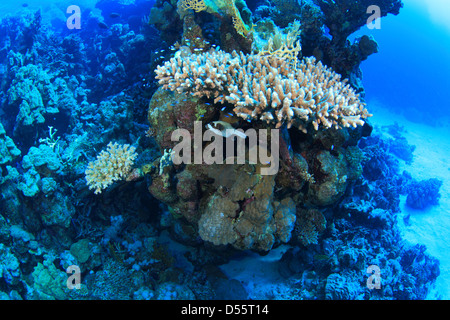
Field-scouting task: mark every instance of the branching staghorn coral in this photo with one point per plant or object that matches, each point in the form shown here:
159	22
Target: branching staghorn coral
113	164
267	88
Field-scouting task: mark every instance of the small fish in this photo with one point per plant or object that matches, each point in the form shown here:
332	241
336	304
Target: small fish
321	257
326	32
102	25
25	5
114	15
223	108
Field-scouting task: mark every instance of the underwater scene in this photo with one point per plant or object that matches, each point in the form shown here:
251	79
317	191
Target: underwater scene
224	150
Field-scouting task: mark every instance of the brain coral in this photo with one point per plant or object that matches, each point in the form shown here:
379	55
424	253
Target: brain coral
267	88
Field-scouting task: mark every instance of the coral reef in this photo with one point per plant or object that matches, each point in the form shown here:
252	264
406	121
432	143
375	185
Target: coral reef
221	7
234	205
8	149
282	44
309	94
247	217
168	229
423	193
113	164
343	18
332	269
32	90
163	15
310	223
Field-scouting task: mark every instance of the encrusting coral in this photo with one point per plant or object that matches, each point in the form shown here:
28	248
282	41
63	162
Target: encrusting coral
113	164
267	88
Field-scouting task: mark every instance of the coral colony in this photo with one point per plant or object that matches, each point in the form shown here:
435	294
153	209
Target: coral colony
222	127
266	88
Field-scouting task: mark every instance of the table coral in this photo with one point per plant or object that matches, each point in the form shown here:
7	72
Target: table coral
266	88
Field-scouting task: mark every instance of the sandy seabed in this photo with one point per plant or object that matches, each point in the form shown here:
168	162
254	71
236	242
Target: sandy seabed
430	226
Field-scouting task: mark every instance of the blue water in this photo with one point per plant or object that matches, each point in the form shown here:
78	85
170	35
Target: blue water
94	205
410	73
